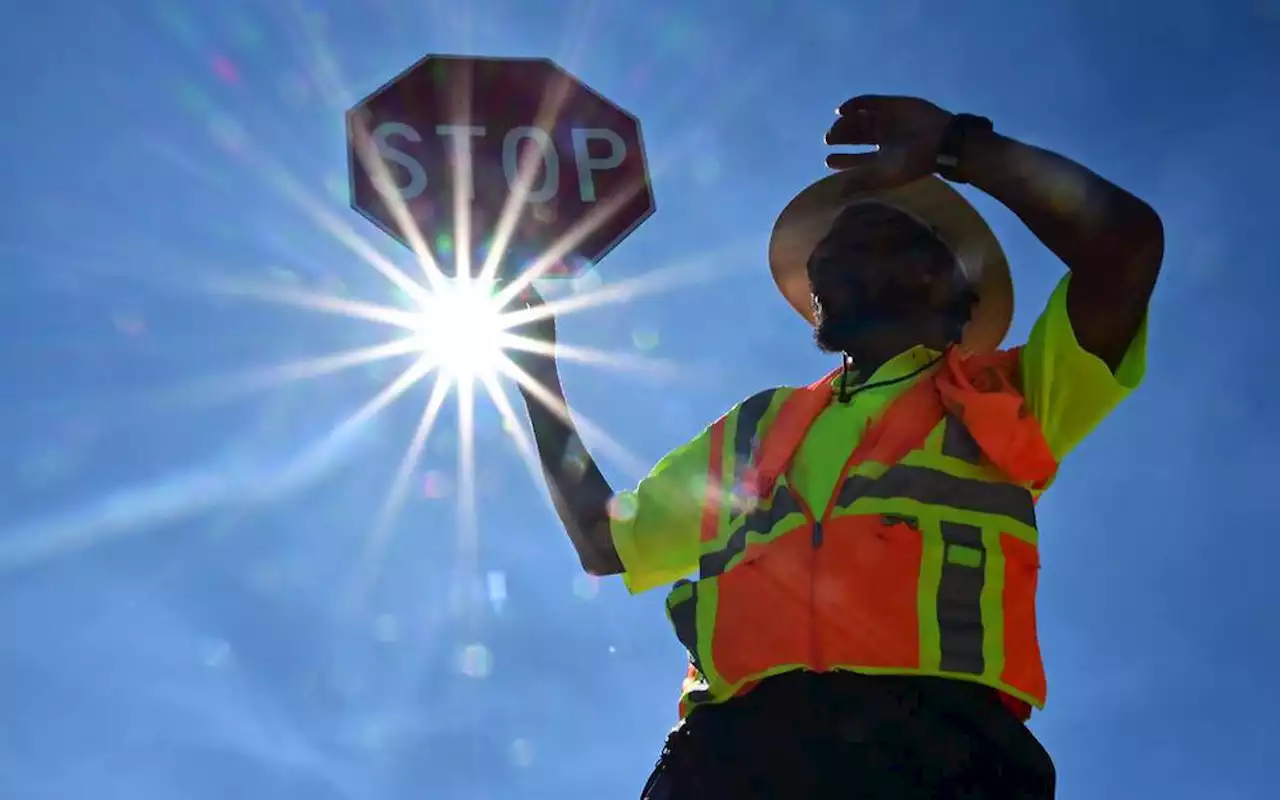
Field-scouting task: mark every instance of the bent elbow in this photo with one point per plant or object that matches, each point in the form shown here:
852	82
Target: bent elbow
601	566
1144	246
1142	223
1150	229
599	570
601	561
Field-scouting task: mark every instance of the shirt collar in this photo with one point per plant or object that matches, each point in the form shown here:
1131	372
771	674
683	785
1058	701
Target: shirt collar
896	367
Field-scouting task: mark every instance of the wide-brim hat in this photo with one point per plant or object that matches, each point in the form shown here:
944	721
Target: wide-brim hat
808	218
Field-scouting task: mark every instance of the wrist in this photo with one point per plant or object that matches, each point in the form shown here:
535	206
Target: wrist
962	136
981	150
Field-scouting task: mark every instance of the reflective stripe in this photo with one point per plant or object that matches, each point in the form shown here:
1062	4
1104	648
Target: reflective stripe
959	601
682	610
714	499
744	436
954	599
921	484
957	442
760	522
932	487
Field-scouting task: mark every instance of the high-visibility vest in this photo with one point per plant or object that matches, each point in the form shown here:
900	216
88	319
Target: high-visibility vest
924	562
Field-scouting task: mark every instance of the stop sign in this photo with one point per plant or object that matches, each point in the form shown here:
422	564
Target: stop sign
443	147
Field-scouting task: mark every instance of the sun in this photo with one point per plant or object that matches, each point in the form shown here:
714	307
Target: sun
461	331
466	335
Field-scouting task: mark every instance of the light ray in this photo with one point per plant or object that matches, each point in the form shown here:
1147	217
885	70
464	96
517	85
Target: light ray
225	387
603	212
699	268
525	446
461	384
324	72
557	406
328	76
517	201
377	540
590	355
468	539
565	244
463	181
376	166
411	375
292	189
511	423
549	109
317	301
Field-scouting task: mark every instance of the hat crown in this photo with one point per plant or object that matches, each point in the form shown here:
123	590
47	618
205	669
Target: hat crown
930	202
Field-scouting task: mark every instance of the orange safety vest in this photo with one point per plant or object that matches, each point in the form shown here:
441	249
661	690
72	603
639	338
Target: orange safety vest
924	561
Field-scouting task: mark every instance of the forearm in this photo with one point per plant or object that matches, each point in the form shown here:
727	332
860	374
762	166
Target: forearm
1112	242
578	490
1100	231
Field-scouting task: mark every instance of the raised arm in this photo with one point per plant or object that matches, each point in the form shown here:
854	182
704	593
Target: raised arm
578	490
1111	241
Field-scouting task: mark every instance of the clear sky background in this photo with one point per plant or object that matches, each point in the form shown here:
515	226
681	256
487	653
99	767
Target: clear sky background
174	557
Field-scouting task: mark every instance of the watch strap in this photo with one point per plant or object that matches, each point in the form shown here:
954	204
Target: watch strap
951	148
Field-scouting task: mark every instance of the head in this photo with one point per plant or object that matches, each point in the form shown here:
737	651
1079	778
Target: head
883	282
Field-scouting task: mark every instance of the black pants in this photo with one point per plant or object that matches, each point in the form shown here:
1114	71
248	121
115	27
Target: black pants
853	737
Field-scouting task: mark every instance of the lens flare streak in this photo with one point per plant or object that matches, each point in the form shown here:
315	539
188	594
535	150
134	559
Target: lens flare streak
436	351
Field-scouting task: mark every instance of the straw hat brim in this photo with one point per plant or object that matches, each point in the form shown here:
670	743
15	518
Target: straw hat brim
808	218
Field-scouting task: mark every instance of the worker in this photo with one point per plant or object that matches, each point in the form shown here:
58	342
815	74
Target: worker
854	562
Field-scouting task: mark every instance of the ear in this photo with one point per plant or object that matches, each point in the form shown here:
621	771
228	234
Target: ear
816	307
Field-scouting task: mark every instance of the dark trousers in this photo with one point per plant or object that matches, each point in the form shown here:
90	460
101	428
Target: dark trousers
853	737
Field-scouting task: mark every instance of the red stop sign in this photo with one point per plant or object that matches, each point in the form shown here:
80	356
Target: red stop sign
409	144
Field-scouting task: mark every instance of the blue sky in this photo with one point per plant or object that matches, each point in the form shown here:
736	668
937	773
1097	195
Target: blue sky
173	555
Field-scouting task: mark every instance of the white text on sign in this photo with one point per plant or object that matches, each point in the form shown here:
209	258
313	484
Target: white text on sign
461	139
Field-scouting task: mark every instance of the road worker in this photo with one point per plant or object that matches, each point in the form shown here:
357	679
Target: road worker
853	563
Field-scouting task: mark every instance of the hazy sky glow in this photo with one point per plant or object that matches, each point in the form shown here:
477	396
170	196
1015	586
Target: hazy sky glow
253	546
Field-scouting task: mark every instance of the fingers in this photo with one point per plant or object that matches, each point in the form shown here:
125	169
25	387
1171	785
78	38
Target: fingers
866	119
865	102
866	170
884	121
863	162
861	120
858	128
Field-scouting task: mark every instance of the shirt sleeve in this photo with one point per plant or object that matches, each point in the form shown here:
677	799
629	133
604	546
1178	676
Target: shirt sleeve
1068	389
656	527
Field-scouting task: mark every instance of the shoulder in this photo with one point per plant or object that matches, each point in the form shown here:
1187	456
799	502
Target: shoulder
1069	389
740	429
755	407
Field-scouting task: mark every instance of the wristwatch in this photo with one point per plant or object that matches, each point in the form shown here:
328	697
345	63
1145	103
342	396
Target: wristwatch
947	161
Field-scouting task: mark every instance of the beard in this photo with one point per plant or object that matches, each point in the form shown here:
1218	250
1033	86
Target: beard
836	334
891	308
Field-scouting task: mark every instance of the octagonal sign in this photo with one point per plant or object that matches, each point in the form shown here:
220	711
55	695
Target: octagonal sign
445	145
